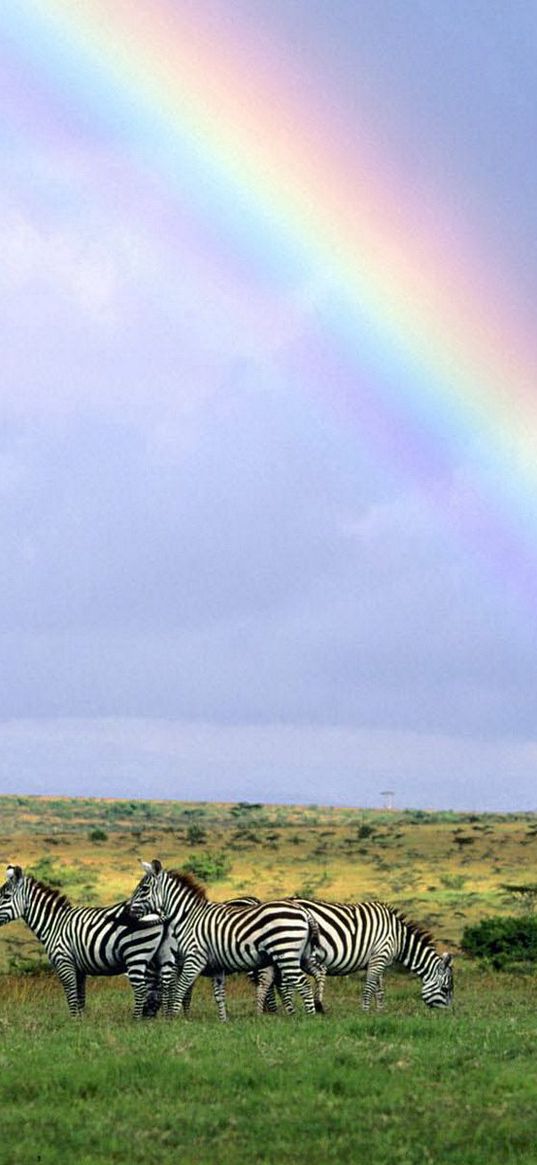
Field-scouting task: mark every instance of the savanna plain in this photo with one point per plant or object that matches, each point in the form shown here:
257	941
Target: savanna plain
405	1086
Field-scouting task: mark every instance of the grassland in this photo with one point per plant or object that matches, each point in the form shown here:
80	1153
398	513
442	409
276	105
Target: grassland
407	1087
443	869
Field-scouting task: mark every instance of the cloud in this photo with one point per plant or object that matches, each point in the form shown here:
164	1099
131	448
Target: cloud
268	762
250	572
62	262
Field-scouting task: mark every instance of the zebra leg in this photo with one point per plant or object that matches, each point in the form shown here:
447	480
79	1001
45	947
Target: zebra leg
379	994
287	991
68	978
187	999
191	969
375	969
265	990
319	974
168	987
219	991
307	994
81	989
138	981
271	1001
153	1001
294	978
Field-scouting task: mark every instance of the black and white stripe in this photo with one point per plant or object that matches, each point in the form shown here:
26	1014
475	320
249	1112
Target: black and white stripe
371	936
82	941
155	989
219	938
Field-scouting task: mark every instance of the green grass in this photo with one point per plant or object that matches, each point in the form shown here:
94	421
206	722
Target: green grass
406	1087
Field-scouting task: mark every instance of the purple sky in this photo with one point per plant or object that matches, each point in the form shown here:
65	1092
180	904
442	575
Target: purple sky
210	587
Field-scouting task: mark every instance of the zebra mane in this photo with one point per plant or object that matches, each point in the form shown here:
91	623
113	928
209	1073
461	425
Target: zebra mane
414	927
189	881
51	893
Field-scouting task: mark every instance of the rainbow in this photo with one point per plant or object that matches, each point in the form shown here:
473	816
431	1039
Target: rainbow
402	292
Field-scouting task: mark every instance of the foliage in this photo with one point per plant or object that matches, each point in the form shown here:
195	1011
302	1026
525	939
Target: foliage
524	895
98	834
453	881
208	867
503	942
48	870
196	834
408	858
22	964
245	808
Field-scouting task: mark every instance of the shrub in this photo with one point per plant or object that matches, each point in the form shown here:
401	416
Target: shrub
22	964
245	807
503	942
196	834
208	867
45	870
453	881
60	877
525	896
98	834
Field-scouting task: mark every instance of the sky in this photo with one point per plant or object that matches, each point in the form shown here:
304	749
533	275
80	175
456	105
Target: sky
268	445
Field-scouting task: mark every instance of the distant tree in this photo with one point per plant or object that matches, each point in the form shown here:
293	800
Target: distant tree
245	807
98	834
524	895
196	834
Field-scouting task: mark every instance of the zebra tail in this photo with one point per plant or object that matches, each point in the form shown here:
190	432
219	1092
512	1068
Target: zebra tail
316	950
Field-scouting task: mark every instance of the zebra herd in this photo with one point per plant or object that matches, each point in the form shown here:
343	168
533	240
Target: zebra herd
168	933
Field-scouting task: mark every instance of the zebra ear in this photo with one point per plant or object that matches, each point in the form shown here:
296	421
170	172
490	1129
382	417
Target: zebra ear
14	873
152	868
447	959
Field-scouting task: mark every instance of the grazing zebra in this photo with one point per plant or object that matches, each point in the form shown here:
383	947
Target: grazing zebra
370	936
82	941
219	938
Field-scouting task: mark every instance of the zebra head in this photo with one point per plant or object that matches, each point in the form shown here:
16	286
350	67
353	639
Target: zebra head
437	983
147	897
12	896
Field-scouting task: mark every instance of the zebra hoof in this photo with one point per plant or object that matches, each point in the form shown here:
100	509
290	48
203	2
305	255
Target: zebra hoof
319	1007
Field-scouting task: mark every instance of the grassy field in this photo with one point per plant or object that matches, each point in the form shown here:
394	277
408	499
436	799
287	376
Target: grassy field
443	869
406	1087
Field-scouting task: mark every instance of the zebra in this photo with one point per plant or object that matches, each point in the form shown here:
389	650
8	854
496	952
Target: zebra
82	941
153	1002
370	936
220	938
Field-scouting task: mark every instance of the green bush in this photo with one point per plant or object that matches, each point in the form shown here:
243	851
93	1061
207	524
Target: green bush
208	867
98	834
47	870
196	834
503	942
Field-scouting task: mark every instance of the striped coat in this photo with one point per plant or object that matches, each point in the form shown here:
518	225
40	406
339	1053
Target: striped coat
155	991
82	941
220	938
371	936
